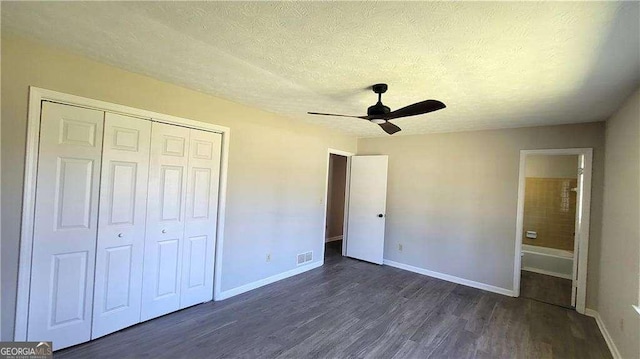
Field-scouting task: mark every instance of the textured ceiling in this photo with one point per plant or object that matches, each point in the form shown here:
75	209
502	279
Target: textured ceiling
495	65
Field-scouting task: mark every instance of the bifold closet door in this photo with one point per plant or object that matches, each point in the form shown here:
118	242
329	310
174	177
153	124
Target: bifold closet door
165	220
121	224
65	227
201	218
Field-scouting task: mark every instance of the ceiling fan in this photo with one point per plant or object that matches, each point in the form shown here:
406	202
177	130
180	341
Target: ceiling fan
381	114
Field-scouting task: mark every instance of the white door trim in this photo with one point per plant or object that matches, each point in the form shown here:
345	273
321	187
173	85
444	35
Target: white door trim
36	96
348	155
585	156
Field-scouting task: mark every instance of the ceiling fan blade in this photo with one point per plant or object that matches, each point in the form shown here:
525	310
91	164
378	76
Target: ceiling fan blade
389	128
333	114
415	109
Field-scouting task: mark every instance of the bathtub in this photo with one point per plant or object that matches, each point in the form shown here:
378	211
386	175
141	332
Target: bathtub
550	261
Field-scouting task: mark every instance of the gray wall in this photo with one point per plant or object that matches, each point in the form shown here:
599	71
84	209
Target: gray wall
620	257
452	198
277	166
551	166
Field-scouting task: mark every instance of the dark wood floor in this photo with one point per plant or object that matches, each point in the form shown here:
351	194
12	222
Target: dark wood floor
546	288
349	308
332	249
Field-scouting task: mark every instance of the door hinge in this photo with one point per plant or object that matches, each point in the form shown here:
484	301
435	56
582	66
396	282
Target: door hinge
580	171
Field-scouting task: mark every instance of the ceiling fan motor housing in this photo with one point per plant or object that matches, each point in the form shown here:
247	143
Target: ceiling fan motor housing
378	109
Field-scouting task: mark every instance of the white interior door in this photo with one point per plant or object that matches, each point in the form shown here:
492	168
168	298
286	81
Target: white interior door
201	216
367	205
576	236
165	220
66	215
121	224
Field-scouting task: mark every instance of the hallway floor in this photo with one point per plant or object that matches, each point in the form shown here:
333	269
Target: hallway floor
332	249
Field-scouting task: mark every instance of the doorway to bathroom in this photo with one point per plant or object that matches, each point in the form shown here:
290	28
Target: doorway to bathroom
553	226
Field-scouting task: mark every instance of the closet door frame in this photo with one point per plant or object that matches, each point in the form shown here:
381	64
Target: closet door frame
36	97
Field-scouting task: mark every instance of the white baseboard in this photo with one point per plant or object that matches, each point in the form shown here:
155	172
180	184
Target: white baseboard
331	239
449	278
262	282
546	272
605	333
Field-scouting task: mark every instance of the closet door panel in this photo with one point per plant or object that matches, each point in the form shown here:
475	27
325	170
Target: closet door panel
121	224
165	220
201	218
65	230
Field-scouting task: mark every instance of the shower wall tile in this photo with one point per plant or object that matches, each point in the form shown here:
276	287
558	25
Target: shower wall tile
550	210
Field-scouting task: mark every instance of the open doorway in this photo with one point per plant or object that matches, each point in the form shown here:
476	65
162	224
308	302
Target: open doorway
553	226
551	186
335	210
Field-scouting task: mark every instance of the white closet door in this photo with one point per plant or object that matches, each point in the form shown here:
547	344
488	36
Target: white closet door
367	206
65	230
165	220
121	224
201	216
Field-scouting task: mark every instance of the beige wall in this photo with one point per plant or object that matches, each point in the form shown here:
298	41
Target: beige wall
452	197
277	166
620	257
551	166
335	207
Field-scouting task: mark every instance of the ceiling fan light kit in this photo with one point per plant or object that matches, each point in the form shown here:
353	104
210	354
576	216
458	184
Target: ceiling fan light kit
381	114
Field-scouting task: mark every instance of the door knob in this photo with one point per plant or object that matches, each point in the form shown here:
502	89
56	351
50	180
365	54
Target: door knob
164	231
120	235
380	215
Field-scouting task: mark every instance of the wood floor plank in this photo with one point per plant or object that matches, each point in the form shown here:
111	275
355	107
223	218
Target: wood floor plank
354	309
546	288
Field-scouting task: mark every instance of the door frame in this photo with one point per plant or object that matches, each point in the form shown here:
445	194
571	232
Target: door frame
583	209
36	96
348	155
